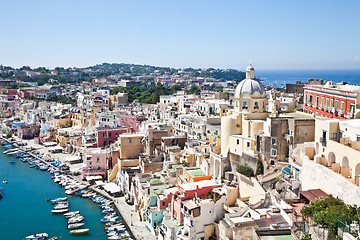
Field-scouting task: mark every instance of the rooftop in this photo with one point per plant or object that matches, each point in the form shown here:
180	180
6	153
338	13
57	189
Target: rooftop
195	172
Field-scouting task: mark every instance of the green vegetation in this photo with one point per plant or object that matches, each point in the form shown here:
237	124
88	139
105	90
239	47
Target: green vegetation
9	135
245	170
259	166
194	89
59	99
327	212
146	95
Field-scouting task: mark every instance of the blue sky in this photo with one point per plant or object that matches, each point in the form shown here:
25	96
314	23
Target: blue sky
222	34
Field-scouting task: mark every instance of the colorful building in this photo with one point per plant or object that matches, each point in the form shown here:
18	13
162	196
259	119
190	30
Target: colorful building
106	136
332	100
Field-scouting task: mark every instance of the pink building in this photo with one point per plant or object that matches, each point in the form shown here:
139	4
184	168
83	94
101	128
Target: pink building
106	136
131	122
95	161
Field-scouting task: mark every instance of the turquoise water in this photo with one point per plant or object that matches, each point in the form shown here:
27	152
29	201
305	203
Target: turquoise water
25	211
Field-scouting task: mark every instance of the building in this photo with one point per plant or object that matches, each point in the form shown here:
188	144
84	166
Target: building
28	131
95	161
106	136
332	100
332	161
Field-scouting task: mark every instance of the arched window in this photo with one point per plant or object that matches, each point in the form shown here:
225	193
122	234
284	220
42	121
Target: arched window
256	105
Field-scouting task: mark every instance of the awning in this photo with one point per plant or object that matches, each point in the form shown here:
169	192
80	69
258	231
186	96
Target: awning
313	194
56	148
73	159
92	178
49	144
111	187
99	183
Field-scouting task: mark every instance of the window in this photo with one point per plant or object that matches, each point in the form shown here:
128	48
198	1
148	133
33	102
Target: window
334	136
97	160
273	141
322	102
336	104
244	106
352	108
104	135
317	101
358	138
273	152
237	141
98	168
104	143
327	103
331	103
306	98
248	144
109	135
311	99
163	203
130	141
256	106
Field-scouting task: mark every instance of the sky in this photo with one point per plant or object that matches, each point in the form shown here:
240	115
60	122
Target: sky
321	34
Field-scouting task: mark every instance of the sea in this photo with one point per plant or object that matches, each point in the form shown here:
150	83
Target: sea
25	211
279	78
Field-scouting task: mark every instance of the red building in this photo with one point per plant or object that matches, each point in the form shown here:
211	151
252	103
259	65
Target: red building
332	100
131	122
106	136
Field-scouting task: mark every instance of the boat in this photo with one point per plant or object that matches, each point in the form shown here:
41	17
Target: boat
37	236
12	161
0	192
55	200
109	224
109	219
112	226
71	214
75	219
75	225
80	231
60	210
61	206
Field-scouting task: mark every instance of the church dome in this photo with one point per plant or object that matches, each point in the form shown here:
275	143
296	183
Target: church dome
250	68
249	87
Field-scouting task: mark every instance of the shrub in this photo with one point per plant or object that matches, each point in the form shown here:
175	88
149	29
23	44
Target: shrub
245	170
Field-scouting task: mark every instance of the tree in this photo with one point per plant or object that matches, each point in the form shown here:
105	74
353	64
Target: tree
194	89
327	212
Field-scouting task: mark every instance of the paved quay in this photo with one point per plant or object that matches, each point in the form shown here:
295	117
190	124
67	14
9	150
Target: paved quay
127	212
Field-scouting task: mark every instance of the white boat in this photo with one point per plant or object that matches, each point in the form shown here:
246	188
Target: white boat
75	219
71	214
61	206
60	210
80	231
75	225
37	235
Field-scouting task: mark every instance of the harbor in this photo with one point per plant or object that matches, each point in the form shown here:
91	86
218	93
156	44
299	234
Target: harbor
26	185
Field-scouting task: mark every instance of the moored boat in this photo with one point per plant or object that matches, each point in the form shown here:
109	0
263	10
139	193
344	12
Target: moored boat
71	214
75	225
37	236
58	211
75	219
80	231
